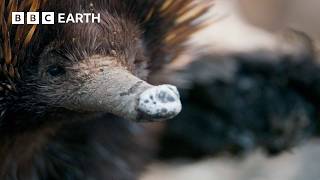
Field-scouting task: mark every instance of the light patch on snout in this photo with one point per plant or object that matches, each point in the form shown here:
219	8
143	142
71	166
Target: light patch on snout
160	102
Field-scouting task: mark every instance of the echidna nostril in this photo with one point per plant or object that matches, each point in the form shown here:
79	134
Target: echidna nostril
162	96
170	98
165	97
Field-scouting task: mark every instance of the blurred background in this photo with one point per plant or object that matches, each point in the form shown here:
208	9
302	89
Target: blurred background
257	118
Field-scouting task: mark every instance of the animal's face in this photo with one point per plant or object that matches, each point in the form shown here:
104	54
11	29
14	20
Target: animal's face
100	68
81	53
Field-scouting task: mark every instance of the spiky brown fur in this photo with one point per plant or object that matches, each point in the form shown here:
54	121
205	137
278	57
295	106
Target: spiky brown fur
166	25
162	25
40	139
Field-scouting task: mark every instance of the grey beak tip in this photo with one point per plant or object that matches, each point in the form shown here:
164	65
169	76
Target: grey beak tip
159	103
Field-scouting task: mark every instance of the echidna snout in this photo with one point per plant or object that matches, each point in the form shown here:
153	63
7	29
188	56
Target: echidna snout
111	88
160	102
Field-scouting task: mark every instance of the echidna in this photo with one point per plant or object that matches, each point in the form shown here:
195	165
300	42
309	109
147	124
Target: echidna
61	83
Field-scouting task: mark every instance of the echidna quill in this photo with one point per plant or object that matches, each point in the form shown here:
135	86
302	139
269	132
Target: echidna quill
60	84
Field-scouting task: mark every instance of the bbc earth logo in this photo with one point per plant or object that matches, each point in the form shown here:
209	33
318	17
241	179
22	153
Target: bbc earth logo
50	18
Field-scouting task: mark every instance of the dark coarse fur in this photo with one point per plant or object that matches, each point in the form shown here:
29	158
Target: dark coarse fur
101	147
142	35
237	103
40	140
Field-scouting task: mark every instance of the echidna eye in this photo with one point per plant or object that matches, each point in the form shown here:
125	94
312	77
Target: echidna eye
55	70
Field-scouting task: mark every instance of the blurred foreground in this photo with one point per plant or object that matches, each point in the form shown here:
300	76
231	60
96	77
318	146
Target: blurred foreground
248	26
301	164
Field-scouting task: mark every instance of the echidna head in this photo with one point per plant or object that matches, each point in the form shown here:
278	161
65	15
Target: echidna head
102	67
